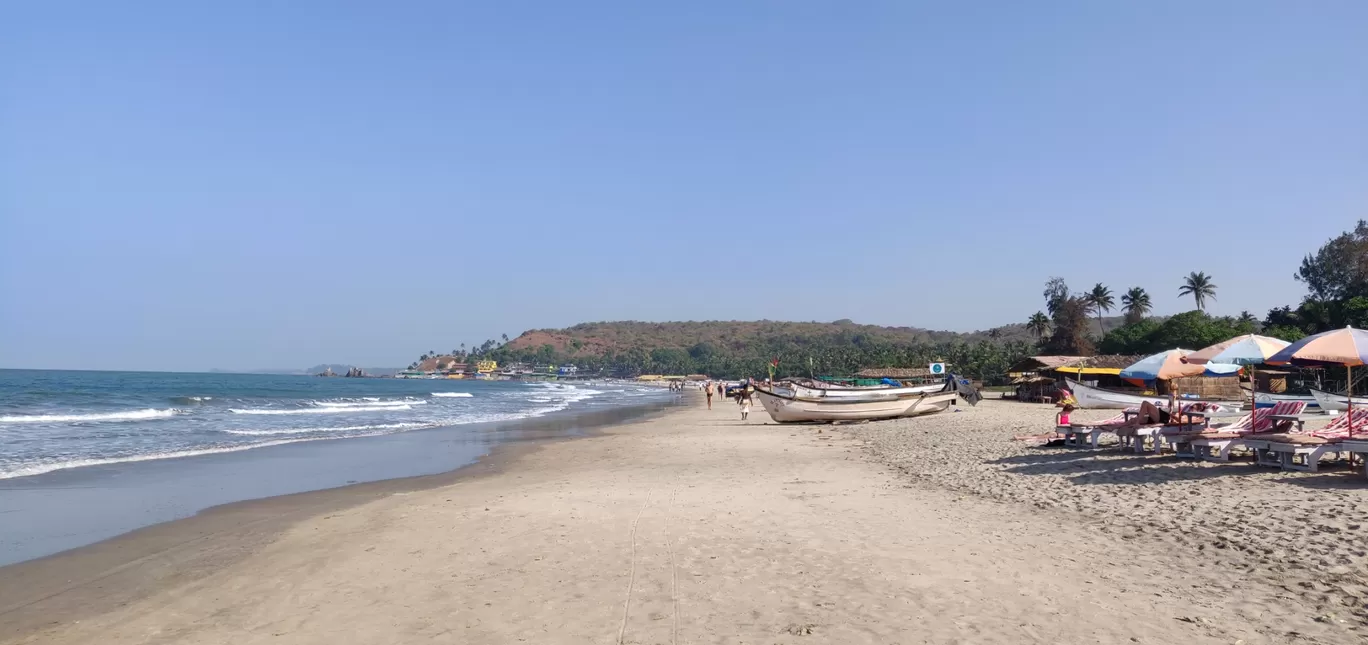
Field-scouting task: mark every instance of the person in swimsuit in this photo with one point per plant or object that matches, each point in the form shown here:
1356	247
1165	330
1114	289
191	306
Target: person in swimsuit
707	389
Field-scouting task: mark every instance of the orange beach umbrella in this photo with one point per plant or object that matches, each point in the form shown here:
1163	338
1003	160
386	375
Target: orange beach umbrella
1347	347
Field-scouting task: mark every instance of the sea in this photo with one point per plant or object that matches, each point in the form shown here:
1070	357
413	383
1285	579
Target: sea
88	455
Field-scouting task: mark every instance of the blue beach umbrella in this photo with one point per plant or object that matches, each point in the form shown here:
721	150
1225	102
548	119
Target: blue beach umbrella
1162	367
1249	349
1169	365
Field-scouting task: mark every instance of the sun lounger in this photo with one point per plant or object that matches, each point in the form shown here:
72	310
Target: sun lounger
1080	435
1357	446
1180	439
1149	438
1303	451
1216	444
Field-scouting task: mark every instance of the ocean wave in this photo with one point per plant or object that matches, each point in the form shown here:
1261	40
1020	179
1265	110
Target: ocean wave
190	400
131	415
453	395
368	403
400	407
41	468
289	431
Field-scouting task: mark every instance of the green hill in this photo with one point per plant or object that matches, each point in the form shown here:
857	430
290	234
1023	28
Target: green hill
735	349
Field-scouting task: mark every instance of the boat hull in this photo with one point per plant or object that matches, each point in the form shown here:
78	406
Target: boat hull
1268	400
794	409
1336	402
1096	398
802	391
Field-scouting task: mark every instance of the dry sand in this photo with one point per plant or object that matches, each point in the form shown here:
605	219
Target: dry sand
696	528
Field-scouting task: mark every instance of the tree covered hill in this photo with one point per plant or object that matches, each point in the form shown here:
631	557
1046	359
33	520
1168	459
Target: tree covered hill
744	348
601	338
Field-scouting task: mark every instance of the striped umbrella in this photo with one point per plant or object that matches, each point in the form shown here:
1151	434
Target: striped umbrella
1169	365
1249	349
1347	347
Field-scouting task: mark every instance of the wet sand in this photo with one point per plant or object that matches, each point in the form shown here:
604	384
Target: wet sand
693	527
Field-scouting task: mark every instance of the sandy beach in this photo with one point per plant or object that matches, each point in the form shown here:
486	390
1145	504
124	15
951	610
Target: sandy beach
693	527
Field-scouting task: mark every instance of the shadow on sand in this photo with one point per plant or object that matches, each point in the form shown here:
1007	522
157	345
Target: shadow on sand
1091	467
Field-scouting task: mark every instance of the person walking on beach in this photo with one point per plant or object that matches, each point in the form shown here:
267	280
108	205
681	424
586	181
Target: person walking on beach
707	389
743	399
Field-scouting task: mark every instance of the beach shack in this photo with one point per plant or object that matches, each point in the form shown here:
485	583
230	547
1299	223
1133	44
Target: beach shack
1038	378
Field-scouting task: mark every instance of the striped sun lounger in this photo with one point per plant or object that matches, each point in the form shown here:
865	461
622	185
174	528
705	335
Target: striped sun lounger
1149	438
1294	451
1217	443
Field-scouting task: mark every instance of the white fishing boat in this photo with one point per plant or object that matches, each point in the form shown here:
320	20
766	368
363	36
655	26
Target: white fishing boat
1268	400
788	409
804	391
1096	398
1336	402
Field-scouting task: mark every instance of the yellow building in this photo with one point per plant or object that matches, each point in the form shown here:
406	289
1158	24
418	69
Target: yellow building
486	366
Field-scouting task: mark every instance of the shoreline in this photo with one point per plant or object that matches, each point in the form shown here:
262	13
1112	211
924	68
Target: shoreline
149	557
70	508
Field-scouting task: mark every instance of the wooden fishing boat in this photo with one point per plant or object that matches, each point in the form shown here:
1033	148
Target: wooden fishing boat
1335	402
785	408
1096	398
1268	400
804	391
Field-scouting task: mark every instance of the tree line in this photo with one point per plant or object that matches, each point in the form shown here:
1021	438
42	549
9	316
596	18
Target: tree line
829	354
1336	278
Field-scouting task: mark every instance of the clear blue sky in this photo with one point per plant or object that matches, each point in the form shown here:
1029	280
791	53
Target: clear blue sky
286	183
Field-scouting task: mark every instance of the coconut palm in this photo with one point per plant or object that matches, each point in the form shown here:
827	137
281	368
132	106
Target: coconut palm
1101	301
505	337
1198	285
1038	324
1136	303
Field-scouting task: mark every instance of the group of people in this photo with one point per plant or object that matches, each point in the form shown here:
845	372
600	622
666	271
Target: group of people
743	396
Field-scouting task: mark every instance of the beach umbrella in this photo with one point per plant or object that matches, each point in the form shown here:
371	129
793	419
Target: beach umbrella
1169	365
1249	349
1347	347
1163	366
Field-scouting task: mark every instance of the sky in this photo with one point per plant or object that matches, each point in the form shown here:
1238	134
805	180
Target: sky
250	185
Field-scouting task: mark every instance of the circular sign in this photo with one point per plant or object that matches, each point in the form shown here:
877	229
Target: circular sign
938	368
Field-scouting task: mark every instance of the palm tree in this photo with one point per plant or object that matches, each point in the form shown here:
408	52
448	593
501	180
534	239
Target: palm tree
1198	285
505	337
1101	300
1039	324
1136	303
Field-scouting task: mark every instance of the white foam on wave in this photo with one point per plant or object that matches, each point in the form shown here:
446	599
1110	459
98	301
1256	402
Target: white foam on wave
374	407
453	395
368	403
41	468
131	415
289	431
